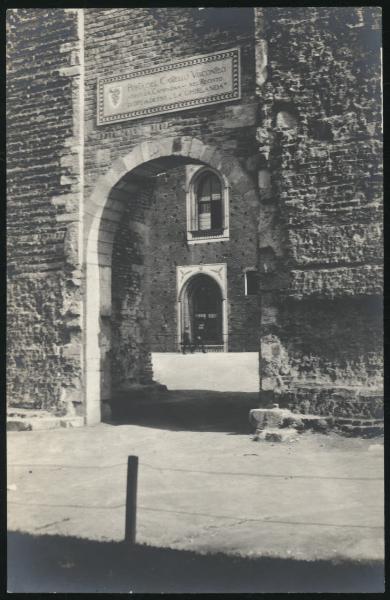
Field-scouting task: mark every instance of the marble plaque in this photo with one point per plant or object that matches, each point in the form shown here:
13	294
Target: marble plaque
180	85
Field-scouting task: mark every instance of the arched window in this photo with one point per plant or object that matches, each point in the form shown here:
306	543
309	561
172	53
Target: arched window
209	202
207	207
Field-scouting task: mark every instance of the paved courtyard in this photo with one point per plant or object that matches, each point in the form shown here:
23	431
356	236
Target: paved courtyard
217	371
206	489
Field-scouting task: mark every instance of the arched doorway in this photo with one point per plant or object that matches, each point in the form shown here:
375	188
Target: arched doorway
202	311
103	211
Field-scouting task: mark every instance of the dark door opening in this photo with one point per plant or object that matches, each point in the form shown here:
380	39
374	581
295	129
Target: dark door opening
205	303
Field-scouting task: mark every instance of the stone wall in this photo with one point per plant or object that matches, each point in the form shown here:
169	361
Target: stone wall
56	154
43	188
320	138
123	41
307	131
130	361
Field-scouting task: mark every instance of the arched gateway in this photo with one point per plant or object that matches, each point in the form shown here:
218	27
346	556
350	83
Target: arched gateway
202	311
102	214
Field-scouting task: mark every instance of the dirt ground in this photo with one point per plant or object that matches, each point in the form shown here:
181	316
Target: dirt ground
53	563
203	485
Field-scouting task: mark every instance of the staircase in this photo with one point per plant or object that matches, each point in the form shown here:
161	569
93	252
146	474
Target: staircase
216	371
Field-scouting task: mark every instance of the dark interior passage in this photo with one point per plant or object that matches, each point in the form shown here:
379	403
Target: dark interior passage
204	317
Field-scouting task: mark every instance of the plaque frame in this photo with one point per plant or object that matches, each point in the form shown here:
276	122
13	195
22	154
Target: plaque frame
235	94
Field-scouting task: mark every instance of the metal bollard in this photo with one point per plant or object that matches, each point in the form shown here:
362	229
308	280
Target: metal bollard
131	499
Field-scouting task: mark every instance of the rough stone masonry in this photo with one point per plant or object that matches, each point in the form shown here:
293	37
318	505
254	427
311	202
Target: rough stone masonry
301	149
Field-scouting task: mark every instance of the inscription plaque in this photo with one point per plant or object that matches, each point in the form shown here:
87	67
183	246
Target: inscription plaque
187	83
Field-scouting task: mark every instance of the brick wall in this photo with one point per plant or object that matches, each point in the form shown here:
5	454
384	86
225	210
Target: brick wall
123	41
51	168
129	356
321	196
168	248
149	244
43	187
307	129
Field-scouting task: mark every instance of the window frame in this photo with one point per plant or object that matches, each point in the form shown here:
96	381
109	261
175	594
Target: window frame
197	235
250	270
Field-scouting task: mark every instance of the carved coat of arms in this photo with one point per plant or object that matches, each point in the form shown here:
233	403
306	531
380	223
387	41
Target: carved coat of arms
115	96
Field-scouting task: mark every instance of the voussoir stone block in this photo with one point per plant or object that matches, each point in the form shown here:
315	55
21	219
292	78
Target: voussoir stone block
133	159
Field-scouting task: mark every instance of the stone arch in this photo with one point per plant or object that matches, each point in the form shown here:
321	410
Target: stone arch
191	295
102	214
185	276
204	169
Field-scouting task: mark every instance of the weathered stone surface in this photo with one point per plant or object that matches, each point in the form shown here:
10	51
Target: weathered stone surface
295	422
237	116
268	417
43	164
342	281
338	402
276	435
18	425
41	421
71	245
275	418
321	206
366	431
332	244
309	132
273	363
320	425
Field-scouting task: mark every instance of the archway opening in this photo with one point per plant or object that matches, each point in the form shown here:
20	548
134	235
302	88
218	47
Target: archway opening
137	251
202	314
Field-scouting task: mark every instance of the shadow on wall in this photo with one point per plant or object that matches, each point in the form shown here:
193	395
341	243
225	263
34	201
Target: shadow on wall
187	410
69	565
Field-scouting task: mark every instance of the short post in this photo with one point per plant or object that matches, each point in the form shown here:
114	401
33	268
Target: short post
131	499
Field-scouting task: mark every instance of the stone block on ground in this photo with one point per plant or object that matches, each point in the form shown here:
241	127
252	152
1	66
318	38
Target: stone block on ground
269	417
316	423
365	431
18	425
276	435
295	422
73	422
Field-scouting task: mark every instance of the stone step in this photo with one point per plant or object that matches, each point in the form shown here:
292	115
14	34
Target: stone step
367	431
358	421
339	401
43	423
23	413
269	418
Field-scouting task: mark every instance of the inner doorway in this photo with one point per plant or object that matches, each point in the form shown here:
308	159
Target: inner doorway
203	316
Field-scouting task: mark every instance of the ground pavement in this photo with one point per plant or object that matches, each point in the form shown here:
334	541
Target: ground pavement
217	511
216	371
319	497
